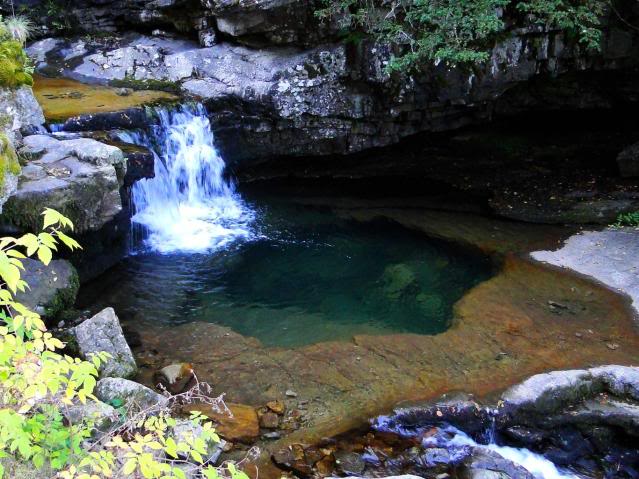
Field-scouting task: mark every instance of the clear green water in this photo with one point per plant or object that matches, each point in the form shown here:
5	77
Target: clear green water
307	277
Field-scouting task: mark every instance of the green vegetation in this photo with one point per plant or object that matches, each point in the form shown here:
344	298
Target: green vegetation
8	159
15	66
149	84
627	219
458	31
39	387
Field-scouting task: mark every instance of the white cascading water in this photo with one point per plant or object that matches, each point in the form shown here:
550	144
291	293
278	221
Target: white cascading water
189	205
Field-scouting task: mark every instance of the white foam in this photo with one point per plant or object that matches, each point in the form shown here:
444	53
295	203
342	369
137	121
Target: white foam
188	205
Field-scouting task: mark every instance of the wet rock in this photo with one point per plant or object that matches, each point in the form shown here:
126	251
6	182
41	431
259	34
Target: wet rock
484	464
175	378
628	161
103	333
269	420
292	458
129	394
241	425
52	288
525	436
610	256
349	463
140	163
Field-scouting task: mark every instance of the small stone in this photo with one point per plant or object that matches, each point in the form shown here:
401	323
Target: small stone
276	406
270	420
579	335
123	91
290	393
612	346
271	435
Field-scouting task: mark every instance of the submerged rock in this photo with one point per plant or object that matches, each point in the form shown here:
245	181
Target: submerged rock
52	288
399	281
103	333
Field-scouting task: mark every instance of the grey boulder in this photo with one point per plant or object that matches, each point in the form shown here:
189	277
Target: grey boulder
103	333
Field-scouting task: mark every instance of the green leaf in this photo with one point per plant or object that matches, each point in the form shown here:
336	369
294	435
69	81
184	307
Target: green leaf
44	254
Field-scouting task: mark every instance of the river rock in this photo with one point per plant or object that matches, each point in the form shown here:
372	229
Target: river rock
52	288
129	394
103	333
80	178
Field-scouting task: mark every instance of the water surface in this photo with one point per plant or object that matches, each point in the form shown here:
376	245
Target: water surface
305	276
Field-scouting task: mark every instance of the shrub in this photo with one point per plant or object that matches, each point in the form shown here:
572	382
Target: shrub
38	385
458	31
627	219
18	27
8	160
15	65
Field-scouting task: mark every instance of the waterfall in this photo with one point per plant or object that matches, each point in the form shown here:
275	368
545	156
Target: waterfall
189	205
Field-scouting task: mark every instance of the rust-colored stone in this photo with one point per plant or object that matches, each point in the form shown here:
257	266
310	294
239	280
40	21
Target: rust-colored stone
276	406
269	420
242	426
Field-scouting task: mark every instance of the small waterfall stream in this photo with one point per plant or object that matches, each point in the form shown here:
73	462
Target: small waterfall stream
189	205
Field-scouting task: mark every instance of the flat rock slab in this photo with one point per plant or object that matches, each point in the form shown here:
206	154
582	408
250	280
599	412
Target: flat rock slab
610	256
81	178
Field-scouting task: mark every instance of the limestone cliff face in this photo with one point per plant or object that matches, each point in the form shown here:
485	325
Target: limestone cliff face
278	83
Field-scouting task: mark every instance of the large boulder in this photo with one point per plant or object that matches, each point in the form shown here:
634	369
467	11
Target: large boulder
80	178
103	333
52	288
